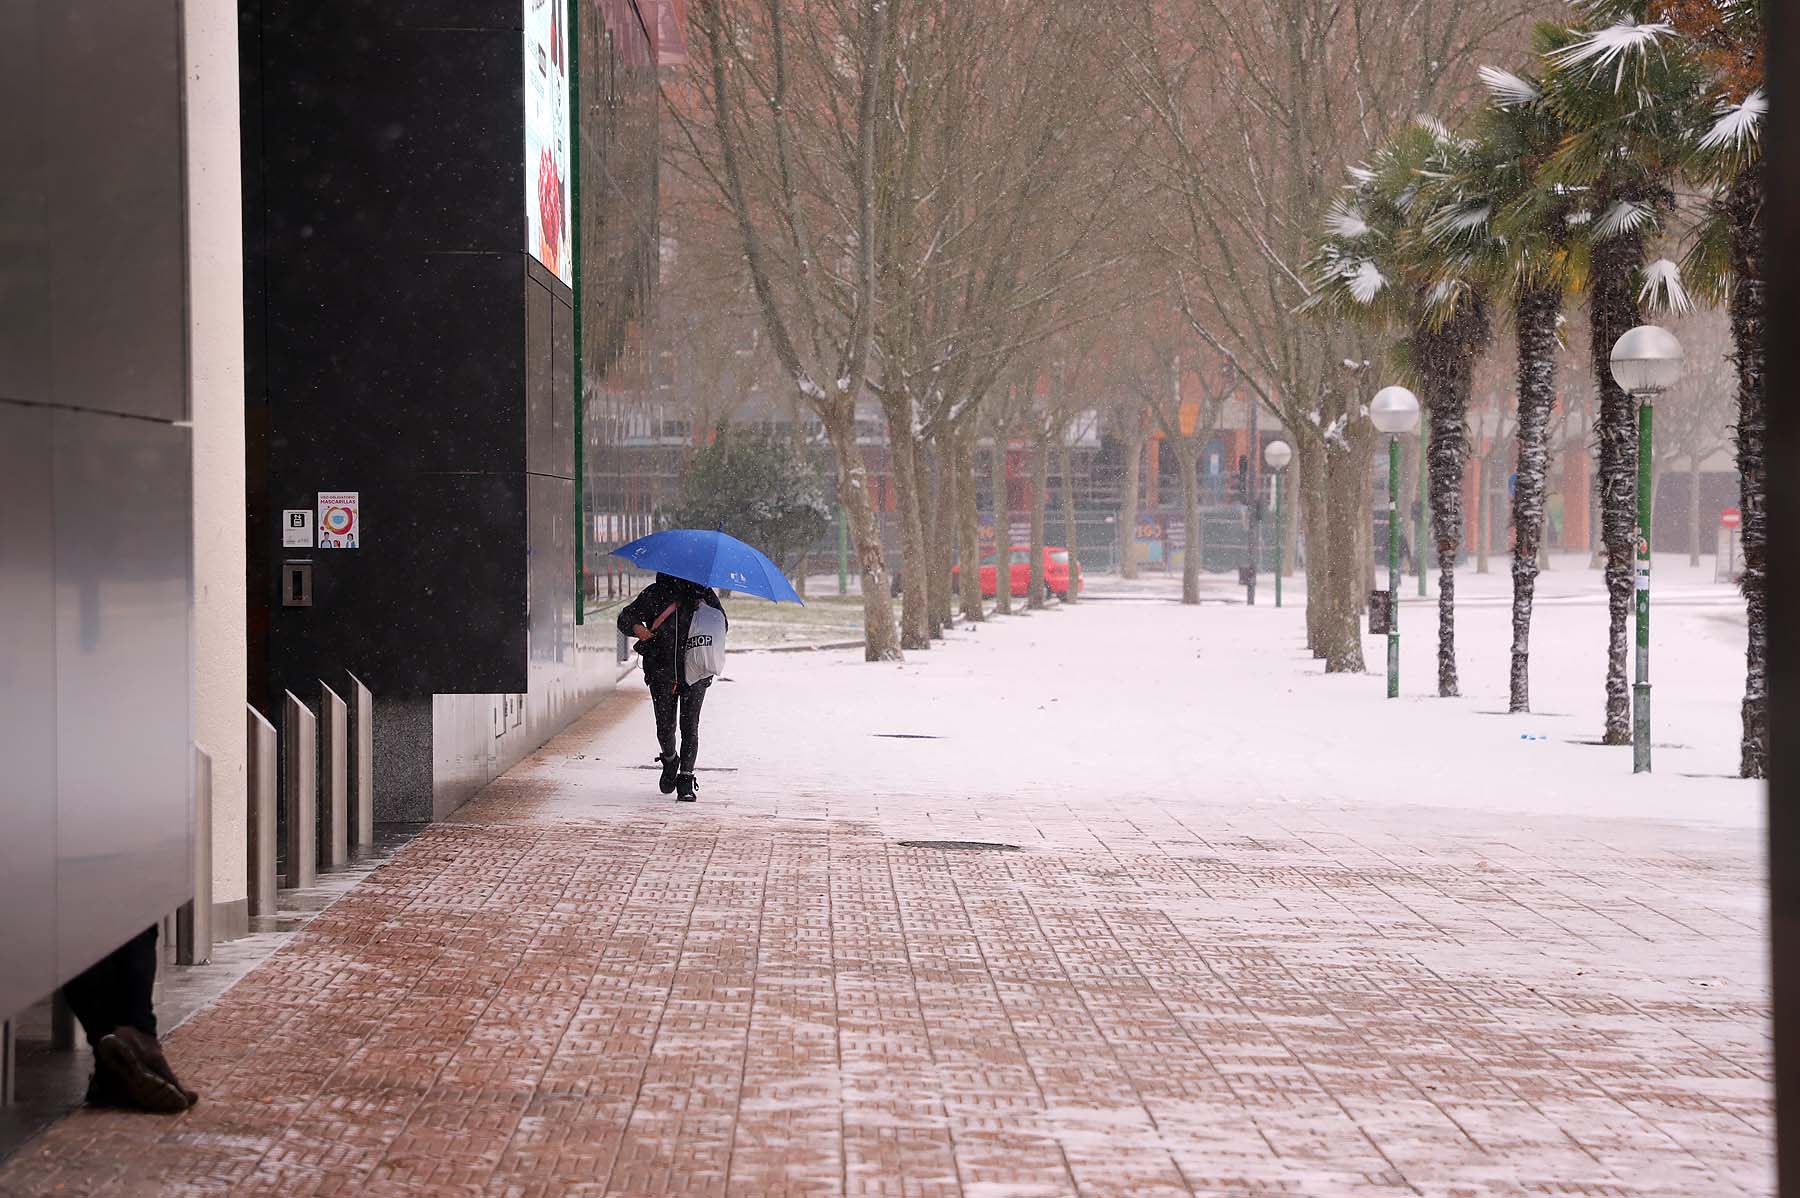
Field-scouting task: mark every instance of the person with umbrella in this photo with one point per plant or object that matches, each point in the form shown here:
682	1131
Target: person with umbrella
660	618
689	563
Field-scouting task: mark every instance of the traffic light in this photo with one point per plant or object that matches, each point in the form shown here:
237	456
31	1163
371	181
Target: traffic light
1243	479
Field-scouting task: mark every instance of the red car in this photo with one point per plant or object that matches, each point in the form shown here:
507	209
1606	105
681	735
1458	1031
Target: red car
1057	565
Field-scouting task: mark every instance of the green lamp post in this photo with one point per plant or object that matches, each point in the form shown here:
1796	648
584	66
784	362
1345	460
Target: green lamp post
1646	361
1278	454
1394	411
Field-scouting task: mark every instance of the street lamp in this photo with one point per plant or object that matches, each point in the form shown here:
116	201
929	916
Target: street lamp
1646	361
1278	454
1394	410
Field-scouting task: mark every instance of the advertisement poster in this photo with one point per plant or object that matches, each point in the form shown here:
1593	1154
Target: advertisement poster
547	136
340	523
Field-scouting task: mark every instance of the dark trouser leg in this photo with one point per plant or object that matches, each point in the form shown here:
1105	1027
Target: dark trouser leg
115	990
690	724
663	701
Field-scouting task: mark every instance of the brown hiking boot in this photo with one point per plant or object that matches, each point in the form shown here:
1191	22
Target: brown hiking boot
139	1068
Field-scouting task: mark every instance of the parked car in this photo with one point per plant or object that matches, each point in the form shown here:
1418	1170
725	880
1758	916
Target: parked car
1056	573
1058	565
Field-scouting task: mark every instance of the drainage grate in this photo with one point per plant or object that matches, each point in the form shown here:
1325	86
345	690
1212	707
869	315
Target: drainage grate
974	846
908	736
699	769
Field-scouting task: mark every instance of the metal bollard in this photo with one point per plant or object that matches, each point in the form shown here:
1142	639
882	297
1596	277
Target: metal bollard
362	768
8	1063
193	919
300	791
259	821
334	723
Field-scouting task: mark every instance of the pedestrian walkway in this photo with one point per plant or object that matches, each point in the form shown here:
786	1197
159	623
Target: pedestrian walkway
578	988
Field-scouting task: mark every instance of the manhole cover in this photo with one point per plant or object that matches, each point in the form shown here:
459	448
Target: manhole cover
908	736
989	846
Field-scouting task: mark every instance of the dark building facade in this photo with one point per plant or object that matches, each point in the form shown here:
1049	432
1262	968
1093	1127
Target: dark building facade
412	217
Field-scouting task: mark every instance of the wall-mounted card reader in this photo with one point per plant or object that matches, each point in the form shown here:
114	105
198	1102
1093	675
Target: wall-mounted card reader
296	583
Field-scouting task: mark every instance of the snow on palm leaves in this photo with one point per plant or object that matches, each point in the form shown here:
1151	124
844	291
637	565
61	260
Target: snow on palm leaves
1375	265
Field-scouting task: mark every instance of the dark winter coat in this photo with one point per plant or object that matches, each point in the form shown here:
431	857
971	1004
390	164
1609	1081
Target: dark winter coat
663	659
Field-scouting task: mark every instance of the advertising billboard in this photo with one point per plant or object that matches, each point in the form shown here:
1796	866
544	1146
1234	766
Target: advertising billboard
547	136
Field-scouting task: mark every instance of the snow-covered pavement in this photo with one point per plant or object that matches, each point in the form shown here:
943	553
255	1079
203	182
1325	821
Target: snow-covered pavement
1263	932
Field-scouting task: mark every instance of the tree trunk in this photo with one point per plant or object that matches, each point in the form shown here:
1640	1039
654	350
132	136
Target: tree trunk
903	453
1744	204
1340	624
1002	526
1482	518
1187	452
1448	452
1314	473
1040	482
1446	362
1693	509
880	642
969	517
1071	531
944	533
1613	308
1535	313
1128	505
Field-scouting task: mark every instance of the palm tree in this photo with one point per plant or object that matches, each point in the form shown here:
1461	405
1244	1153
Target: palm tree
1627	105
1375	266
1488	218
1726	263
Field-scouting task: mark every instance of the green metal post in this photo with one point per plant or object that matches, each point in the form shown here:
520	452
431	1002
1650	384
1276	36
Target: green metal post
1640	692
843	554
1280	538
1393	567
573	38
1419	519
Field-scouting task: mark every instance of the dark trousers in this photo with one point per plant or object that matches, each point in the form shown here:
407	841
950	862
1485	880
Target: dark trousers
115	991
681	707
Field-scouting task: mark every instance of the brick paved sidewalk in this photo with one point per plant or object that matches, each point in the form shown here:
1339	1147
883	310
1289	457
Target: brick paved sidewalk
578	988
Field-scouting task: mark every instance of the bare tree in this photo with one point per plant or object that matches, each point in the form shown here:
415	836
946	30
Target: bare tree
1159	371
779	112
1261	105
999	176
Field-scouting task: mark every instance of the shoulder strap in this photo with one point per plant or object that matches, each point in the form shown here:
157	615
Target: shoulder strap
666	613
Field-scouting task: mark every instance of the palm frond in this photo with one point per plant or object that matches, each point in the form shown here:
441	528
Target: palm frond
1508	90
1739	125
1707	264
1344	220
1662	289
1626	216
1364	280
1612	47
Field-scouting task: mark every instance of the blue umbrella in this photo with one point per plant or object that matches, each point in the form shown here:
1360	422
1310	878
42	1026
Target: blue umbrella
712	559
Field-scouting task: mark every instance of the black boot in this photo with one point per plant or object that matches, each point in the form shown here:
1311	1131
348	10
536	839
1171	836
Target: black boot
686	789
127	1074
671	765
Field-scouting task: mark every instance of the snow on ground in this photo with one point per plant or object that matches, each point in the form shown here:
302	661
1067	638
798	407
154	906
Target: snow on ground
1128	693
1270	933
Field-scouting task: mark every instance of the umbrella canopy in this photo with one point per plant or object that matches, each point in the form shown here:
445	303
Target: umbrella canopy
711	558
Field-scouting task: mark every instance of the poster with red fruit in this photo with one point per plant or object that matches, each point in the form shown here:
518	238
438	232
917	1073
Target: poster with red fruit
547	213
